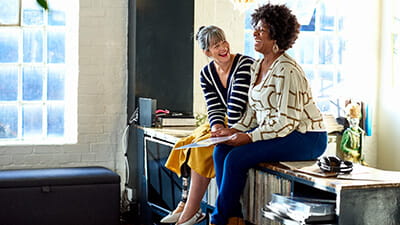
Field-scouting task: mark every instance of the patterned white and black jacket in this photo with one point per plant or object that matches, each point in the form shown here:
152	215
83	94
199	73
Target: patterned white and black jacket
281	103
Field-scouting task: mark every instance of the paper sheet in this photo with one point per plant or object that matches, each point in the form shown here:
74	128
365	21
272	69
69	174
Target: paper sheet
207	142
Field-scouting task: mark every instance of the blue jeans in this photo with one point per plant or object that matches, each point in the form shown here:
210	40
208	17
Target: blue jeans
232	164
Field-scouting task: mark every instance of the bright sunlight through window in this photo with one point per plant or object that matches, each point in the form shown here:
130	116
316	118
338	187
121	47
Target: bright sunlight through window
38	72
331	49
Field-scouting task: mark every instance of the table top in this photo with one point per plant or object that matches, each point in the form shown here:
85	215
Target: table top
170	134
361	177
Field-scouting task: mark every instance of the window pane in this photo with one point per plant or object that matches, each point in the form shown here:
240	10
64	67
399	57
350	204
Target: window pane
305	46
8	84
57	13
32	121
33	46
56	46
247	19
55	120
55	84
309	73
341	50
32	83
310	26
9	45
249	44
291	51
56	17
327	81
326	49
340	23
32	13
9	12
325	106
327	15
8	121
339	78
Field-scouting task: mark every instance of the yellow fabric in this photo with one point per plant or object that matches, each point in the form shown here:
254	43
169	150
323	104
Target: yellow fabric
200	159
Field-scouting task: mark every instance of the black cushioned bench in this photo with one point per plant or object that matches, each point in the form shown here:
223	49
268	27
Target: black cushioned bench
60	196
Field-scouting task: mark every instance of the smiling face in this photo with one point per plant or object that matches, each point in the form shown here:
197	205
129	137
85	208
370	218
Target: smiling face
262	40
219	51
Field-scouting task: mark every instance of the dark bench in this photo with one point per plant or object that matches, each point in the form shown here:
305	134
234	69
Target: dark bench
60	196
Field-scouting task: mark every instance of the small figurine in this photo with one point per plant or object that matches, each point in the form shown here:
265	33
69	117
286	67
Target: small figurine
353	137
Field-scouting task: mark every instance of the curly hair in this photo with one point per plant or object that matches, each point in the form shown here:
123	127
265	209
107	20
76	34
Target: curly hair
282	24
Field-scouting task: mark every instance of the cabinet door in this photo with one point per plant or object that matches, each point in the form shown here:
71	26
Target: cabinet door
163	186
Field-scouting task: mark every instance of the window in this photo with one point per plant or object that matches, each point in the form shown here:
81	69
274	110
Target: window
38	72
322	48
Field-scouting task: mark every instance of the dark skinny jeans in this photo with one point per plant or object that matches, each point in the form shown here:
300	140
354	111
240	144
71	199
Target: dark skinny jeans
232	164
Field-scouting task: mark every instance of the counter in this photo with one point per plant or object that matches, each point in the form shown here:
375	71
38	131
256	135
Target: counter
169	134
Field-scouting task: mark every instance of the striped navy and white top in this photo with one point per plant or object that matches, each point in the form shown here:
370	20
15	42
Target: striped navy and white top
232	100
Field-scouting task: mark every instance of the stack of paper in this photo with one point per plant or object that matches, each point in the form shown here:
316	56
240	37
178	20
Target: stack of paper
297	210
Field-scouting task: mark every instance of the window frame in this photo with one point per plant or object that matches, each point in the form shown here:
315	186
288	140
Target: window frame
70	66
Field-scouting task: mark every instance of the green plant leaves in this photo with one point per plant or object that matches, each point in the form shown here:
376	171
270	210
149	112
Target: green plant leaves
43	4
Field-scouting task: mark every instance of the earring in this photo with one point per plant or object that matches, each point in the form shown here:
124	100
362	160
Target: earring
275	48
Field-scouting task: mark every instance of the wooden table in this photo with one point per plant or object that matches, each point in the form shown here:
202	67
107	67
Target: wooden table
367	196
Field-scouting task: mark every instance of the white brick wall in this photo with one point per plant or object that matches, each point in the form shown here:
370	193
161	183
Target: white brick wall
101	96
222	14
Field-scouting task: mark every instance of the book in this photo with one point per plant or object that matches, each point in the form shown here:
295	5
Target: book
207	142
176	121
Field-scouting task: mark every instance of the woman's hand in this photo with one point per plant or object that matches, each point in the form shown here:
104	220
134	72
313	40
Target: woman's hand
222	132
216	127
238	139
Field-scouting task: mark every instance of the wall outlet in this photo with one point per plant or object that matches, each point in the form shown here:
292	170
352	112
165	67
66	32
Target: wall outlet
129	193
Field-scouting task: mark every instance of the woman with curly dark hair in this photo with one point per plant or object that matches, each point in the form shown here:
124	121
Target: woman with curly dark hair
281	122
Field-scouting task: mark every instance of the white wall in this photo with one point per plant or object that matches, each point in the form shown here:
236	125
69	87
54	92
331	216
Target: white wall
220	13
361	62
389	92
101	96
